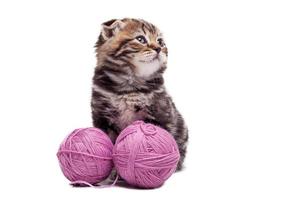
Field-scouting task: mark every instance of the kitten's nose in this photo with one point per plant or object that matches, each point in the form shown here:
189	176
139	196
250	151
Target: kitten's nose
157	49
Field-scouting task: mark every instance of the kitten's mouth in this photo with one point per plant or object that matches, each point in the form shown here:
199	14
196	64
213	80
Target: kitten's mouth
150	60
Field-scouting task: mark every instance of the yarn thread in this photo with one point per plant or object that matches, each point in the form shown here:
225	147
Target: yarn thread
98	185
145	155
85	156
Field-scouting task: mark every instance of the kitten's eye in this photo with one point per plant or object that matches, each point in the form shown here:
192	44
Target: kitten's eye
141	39
161	42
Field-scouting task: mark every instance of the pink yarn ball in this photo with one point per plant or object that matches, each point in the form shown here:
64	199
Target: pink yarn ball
145	155
86	155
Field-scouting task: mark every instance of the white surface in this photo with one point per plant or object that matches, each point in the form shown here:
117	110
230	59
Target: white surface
233	73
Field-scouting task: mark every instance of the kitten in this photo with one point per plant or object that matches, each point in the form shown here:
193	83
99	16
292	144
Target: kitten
128	84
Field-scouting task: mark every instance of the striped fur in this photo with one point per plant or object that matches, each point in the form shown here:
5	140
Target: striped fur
128	82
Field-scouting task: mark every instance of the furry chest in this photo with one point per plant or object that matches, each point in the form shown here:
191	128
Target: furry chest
132	107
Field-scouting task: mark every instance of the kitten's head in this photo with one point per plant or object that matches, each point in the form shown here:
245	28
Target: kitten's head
132	43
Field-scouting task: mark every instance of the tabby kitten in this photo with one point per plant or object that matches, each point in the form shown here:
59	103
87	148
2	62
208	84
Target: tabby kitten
128	81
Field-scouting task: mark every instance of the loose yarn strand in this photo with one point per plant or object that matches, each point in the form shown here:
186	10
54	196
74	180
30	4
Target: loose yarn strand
84	183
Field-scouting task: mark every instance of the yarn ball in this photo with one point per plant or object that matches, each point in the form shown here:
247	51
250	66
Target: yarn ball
86	156
145	155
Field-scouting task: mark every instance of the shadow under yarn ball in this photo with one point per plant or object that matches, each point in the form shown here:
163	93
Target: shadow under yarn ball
86	156
145	155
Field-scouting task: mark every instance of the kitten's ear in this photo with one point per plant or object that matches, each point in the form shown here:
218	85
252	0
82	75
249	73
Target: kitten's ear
111	27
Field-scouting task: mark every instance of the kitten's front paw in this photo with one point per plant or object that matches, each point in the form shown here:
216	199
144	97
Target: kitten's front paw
179	166
113	177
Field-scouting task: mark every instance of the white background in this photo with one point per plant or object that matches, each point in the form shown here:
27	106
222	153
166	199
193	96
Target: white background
233	73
